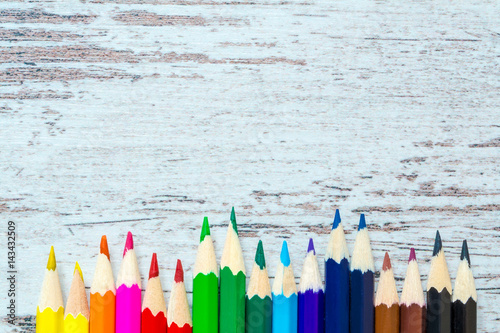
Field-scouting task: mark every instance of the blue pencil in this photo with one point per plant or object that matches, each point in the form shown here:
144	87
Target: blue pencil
337	280
311	316
284	295
362	283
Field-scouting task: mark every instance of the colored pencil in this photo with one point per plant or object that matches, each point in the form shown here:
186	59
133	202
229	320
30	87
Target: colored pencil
337	280
103	294
438	292
154	310
232	283
387	301
76	318
179	316
412	299
284	295
362	282
259	306
311	314
205	285
464	296
50	309
128	291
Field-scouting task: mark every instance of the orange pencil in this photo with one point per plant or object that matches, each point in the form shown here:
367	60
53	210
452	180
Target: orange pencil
103	294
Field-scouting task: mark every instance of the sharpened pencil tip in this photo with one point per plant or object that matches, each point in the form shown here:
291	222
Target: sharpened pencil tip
362	222
51	263
233	220
205	229
179	272
78	269
465	252
311	246
336	220
284	255
438	244
387	262
259	256
104	246
412	255
153	270
129	244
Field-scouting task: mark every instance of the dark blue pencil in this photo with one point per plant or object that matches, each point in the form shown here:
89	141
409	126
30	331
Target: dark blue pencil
337	280
362	283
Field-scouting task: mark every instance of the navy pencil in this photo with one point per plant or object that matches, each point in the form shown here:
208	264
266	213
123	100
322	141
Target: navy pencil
337	280
362	282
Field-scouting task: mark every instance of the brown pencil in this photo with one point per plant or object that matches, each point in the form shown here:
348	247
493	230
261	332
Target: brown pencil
412	299
387	301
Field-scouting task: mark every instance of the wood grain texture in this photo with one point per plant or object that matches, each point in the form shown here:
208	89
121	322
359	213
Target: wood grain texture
146	115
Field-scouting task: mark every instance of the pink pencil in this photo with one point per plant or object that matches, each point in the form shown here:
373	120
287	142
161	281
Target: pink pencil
128	292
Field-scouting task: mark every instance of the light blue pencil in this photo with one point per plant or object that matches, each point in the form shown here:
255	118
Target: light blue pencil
284	295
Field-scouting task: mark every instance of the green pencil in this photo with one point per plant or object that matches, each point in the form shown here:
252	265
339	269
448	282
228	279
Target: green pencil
232	283
205	285
259	306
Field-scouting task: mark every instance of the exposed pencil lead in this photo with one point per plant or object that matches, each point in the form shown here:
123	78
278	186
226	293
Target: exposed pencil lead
153	270
311	246
285	256
362	222
233	220
387	262
205	229
465	252
179	272
129	244
77	268
412	255
438	244
51	263
104	246
259	256
336	220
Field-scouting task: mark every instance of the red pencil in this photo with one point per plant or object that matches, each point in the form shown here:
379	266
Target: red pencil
179	316
154	311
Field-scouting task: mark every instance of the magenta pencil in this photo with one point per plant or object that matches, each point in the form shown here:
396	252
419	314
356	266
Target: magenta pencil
128	292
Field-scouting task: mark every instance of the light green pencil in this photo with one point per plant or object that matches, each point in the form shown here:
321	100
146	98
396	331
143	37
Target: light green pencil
205	285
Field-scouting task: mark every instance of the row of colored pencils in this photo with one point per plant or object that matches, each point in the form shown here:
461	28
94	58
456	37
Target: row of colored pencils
222	303
113	309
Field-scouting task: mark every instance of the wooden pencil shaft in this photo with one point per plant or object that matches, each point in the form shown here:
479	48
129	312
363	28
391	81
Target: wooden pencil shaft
465	316
102	312
412	318
232	301
337	277
438	311
205	303
259	312
311	314
361	306
387	318
285	313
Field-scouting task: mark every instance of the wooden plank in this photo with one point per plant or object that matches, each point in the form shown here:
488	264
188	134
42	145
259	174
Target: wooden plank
147	115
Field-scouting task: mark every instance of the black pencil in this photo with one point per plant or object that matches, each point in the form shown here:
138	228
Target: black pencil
464	296
438	292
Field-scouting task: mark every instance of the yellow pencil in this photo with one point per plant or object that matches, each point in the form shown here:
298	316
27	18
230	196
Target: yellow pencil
50	309
76	318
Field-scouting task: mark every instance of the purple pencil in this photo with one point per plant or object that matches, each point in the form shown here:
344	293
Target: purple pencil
311	316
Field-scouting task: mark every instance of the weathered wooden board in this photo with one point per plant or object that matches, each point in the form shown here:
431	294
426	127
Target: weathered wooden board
147	115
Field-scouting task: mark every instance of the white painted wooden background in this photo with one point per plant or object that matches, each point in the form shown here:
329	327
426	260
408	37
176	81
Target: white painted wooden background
146	115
